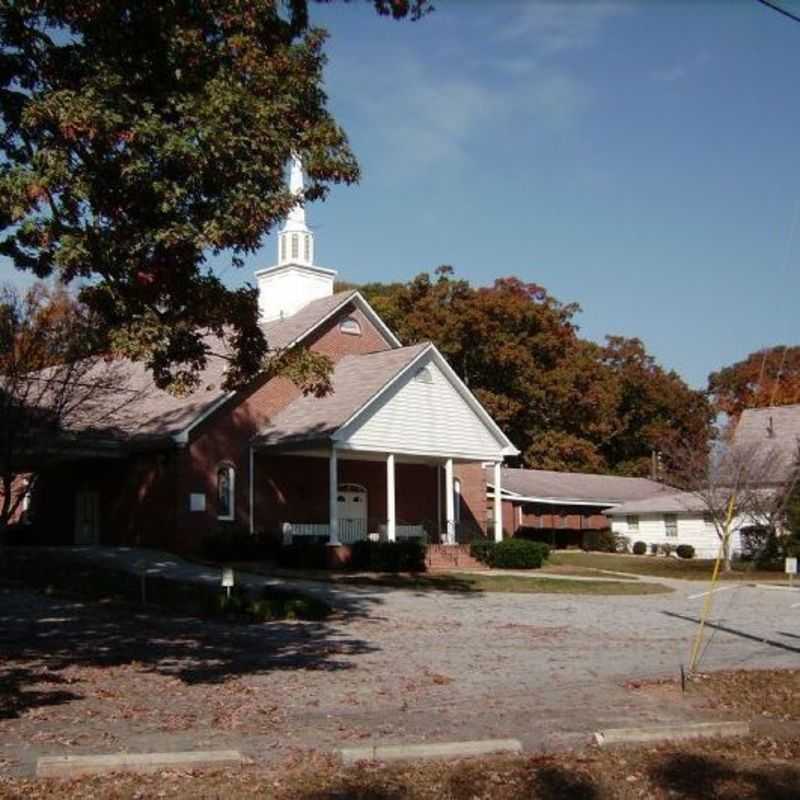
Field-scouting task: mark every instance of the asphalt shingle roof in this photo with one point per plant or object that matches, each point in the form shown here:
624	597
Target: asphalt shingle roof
148	411
775	431
552	485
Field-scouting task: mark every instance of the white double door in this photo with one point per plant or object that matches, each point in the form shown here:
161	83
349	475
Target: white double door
352	511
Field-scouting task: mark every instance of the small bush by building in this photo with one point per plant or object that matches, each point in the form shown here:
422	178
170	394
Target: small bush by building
639	548
511	553
685	551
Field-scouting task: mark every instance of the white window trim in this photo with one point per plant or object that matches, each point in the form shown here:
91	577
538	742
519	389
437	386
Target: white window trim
231	515
667	526
632	525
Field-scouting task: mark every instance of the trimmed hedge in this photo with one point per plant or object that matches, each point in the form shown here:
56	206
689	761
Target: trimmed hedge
511	553
685	551
639	548
403	556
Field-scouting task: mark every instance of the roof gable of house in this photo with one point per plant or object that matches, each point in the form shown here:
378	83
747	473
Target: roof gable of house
403	401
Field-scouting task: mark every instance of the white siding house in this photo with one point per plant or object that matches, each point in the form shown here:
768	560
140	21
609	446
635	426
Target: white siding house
673	518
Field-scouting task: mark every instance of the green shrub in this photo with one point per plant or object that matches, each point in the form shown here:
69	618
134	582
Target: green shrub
654	548
666	548
403	556
685	551
639	548
519	554
483	550
601	541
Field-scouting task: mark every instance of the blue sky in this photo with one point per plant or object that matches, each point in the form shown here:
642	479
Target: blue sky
639	158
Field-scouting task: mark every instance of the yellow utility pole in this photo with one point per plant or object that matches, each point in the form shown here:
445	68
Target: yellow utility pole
714	577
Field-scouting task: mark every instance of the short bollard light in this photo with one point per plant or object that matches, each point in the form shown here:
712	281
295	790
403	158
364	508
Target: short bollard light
227	580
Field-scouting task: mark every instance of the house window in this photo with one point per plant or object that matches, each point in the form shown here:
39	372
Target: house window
457	501
226	477
671	525
295	245
633	522
708	519
307	247
350	326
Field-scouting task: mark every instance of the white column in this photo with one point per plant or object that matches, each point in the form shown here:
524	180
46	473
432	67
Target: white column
391	516
498	505
333	492
448	501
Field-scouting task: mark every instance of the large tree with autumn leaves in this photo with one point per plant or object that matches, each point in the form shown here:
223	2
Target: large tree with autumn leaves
566	402
769	377
138	137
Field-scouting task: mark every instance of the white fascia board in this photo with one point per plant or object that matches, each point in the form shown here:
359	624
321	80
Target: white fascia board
503	490
182	436
311	269
375	319
472	401
458	455
554	501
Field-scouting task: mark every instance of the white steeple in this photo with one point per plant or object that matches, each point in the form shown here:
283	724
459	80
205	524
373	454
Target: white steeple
295	280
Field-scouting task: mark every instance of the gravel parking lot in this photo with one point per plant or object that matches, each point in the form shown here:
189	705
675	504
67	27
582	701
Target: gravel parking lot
394	666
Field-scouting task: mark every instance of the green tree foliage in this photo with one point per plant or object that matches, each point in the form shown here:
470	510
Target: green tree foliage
138	137
766	377
566	402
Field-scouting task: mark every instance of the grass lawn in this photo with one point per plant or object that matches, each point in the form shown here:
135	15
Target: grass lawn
554	567
690	569
748	768
466	582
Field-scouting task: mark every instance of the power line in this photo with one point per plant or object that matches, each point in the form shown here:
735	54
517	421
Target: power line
776	7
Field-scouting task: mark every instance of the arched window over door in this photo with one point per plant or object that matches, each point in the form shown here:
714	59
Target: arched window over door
226	480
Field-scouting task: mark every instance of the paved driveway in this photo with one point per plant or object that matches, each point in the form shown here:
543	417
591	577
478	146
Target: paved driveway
393	666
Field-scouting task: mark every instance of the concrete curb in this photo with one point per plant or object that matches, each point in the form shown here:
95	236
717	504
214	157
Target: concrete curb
659	733
407	752
74	766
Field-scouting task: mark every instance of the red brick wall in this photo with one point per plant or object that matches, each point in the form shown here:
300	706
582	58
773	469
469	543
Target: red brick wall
295	489
473	496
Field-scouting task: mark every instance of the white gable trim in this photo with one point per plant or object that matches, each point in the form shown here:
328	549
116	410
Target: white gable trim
359	416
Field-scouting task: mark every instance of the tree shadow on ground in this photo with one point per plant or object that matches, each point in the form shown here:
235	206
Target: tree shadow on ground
735	632
16	696
696	777
41	635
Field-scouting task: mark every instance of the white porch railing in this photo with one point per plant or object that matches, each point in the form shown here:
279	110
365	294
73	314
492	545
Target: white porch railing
350	530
